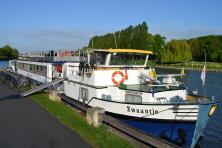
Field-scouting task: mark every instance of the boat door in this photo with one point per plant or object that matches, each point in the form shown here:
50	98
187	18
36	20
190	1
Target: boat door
64	71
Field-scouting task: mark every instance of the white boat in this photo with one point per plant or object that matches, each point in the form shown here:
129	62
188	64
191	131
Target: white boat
118	81
43	66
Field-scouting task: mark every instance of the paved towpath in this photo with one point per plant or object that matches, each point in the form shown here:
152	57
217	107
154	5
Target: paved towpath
24	124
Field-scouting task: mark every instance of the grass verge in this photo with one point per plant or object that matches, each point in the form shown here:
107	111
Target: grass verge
98	137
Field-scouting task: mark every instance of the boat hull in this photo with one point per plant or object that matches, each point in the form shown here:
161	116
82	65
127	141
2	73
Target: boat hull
166	129
167	112
178	123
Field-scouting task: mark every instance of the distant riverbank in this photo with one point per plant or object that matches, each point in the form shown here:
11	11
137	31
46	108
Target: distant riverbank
188	69
193	66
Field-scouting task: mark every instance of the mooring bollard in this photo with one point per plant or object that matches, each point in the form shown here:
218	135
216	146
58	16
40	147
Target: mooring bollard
53	95
92	116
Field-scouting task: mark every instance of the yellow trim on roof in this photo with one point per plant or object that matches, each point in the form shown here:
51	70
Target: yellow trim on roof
125	50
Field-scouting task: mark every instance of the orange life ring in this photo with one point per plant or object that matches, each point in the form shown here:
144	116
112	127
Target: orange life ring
118	82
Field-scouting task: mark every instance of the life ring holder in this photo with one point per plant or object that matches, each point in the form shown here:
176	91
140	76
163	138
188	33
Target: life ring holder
116	82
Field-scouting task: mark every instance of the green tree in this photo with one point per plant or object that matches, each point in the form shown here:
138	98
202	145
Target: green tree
7	52
132	37
211	44
176	51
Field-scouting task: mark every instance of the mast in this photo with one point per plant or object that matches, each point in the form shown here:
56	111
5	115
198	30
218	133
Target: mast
115	39
205	64
92	40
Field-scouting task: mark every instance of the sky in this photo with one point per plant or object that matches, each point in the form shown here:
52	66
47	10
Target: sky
33	25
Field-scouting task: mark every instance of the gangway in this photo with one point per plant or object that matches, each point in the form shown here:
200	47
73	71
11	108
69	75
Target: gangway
41	87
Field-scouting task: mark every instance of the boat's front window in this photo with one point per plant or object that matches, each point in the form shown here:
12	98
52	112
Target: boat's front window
98	58
127	59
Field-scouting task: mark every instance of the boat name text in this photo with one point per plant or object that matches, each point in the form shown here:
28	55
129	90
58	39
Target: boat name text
150	111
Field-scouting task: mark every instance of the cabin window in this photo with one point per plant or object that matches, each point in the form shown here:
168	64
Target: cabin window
30	68
41	70
98	58
84	93
44	70
127	59
25	67
33	68
106	97
19	65
37	69
133	98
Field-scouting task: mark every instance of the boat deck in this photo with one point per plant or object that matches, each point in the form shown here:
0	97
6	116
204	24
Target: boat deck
150	88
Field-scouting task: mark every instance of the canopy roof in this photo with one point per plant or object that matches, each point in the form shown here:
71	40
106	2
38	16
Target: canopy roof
123	50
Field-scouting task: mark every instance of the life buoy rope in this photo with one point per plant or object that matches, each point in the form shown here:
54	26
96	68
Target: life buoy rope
115	80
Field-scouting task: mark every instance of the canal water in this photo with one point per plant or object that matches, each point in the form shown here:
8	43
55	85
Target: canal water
213	87
3	63
213	132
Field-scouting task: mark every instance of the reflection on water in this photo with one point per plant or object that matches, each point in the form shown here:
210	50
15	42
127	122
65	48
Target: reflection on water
213	131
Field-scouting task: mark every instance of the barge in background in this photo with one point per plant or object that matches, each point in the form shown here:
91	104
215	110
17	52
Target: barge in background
44	66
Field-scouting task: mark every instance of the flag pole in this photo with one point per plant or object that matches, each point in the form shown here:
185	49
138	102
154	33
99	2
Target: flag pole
205	64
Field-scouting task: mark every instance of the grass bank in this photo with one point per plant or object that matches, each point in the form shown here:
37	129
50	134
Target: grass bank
98	137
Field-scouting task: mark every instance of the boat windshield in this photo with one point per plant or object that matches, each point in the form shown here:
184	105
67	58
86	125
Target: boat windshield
127	59
98	58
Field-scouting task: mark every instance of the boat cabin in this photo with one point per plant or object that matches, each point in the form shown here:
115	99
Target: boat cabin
121	75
